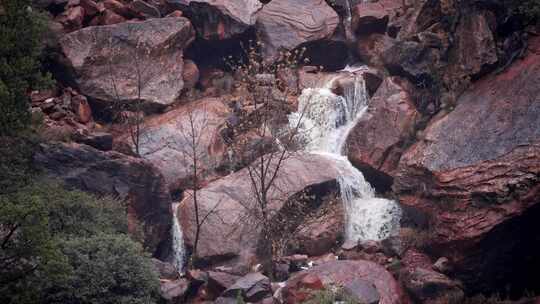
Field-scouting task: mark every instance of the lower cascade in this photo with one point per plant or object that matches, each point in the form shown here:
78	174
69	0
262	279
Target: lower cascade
325	122
177	241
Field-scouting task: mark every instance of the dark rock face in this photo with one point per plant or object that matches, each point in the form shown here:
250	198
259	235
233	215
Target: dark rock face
286	24
478	167
431	287
376	142
343	273
111	173
222	19
151	49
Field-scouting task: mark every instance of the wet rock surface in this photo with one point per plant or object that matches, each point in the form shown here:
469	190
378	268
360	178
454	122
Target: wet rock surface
108	62
286	24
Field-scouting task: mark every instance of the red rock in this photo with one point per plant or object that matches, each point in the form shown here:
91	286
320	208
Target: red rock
190	74
109	18
118	8
176	13
414	258
430	287
376	142
144	9
90	7
225	234
81	108
373	17
372	47
339	273
221	19
174	291
313	20
72	19
218	282
474	170
92	53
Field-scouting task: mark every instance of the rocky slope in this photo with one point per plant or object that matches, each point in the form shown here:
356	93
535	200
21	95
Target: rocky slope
451	132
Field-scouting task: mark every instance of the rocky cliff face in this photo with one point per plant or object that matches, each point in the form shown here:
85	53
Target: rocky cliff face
451	132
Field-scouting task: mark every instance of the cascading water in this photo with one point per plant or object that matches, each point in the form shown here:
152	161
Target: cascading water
325	122
177	241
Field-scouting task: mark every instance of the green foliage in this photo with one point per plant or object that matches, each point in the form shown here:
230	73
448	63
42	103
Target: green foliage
60	246
106	269
329	296
21	30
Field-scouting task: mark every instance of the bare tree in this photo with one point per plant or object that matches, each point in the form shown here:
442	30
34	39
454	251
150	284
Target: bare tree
276	141
132	113
196	156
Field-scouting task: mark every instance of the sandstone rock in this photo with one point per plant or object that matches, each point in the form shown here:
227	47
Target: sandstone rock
144	9
412	60
369	17
190	74
477	168
165	270
430	287
218	282
376	142
341	273
253	287
174	291
90	7
219	19
164	140
81	108
476	48
72	19
371	48
99	140
362	291
227	234
320	233
93	52
108	17
110	173
416	259
118	8
313	20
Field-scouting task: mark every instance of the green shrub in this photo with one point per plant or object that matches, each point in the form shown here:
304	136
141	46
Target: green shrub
21	30
60	246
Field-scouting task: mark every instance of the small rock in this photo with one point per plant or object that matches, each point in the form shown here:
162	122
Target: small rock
81	108
174	291
144	9
442	265
253	287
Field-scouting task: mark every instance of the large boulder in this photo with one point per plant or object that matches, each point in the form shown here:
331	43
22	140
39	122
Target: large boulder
165	140
475	173
108	62
475	44
110	173
430	287
359	278
313	20
377	140
229	232
219	19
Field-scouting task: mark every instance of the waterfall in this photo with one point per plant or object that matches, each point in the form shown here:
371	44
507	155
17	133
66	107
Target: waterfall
177	241
325	122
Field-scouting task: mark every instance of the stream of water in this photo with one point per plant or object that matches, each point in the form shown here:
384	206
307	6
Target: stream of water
325	122
177	241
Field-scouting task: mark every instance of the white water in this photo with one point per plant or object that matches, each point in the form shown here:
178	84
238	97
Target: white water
177	241
325	122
